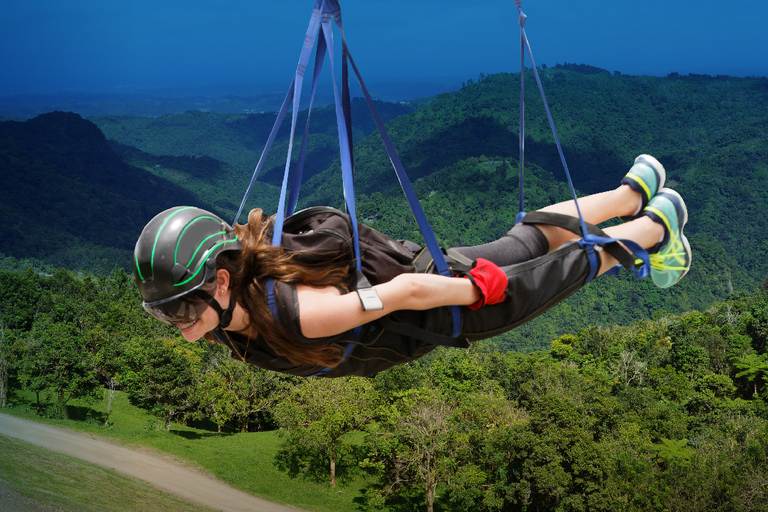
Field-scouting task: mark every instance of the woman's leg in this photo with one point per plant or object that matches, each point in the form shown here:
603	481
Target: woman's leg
643	231
538	284
525	242
655	217
640	185
595	209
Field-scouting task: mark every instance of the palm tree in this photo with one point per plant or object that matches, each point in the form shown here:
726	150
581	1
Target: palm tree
754	367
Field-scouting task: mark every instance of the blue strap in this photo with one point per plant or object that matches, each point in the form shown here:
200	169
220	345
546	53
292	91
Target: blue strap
291	98
267	147
323	12
521	209
344	141
321	19
588	241
309	44
341	123
418	212
293	199
271	299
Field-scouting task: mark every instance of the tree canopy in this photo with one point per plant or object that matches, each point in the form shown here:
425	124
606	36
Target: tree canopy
653	415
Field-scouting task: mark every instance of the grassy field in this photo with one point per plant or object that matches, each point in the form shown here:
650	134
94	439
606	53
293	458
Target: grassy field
243	460
70	484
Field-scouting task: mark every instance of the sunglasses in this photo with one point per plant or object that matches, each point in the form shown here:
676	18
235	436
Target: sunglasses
183	309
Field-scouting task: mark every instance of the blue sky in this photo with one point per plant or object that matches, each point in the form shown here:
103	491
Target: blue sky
105	46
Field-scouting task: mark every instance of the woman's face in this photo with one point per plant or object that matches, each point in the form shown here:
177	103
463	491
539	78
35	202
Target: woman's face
208	321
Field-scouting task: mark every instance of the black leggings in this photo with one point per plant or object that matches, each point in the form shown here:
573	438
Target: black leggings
521	243
538	279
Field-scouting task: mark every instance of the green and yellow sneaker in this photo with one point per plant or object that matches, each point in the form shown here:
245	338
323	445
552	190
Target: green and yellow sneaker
670	258
646	177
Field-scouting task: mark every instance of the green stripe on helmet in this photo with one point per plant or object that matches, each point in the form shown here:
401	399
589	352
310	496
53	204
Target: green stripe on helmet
136	261
181	235
157	236
201	265
192	258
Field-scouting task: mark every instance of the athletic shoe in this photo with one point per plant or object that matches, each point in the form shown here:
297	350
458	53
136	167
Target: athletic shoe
670	258
646	177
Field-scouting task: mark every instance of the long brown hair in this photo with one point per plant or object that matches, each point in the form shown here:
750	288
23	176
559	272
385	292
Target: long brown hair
258	259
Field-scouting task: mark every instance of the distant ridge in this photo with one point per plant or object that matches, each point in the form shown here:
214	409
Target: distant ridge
67	194
78	195
78	198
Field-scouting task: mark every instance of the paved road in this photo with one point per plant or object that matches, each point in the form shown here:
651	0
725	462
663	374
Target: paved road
160	472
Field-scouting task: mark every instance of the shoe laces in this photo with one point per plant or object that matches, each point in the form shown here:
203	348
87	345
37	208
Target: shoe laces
672	256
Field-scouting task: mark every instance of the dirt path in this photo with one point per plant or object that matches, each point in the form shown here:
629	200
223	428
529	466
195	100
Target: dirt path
162	473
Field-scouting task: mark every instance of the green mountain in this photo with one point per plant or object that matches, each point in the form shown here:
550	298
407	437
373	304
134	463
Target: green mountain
69	200
710	132
70	188
238	139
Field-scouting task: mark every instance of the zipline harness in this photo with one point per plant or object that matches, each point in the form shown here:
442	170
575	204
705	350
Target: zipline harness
320	30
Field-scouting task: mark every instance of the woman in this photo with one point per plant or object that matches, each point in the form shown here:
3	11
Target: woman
211	281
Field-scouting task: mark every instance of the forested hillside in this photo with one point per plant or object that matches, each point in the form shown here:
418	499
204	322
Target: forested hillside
238	139
624	397
661	415
69	200
75	193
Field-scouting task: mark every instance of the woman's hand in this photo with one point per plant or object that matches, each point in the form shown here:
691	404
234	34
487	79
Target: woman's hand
324	311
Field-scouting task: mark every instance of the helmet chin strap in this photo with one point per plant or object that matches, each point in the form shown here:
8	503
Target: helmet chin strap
225	315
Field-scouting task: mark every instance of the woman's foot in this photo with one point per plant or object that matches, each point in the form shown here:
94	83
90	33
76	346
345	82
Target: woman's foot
646	178
671	257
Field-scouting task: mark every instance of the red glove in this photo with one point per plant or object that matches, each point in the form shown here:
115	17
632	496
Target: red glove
490	280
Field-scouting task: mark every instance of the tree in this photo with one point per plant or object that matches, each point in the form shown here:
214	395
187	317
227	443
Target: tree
317	417
688	356
557	459
256	392
111	392
163	375
412	445
628	367
757	325
216	398
239	394
754	367
19	291
31	368
54	359
674	453
480	421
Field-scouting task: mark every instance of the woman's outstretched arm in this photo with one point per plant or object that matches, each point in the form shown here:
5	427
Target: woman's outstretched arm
325	312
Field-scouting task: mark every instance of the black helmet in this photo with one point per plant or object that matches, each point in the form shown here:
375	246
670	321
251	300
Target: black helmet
175	262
